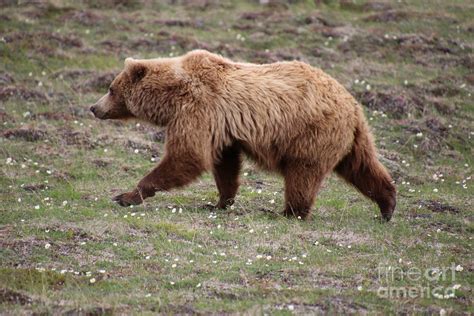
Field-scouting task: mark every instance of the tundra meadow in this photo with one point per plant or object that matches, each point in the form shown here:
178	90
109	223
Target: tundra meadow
66	248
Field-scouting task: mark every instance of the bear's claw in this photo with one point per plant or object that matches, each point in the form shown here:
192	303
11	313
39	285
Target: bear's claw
127	199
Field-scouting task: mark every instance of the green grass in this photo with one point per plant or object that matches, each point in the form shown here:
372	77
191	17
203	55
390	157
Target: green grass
59	230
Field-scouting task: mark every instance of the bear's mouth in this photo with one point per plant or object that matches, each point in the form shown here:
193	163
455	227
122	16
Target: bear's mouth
97	113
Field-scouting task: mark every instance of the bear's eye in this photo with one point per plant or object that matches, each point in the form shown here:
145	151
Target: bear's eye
111	91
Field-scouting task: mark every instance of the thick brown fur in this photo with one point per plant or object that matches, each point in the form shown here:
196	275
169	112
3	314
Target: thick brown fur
288	117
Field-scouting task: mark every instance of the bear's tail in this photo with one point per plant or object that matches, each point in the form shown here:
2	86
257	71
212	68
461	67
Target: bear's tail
362	169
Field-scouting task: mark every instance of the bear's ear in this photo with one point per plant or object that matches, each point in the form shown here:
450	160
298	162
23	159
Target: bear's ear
135	70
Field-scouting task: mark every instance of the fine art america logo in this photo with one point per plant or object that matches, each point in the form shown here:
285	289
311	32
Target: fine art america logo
429	281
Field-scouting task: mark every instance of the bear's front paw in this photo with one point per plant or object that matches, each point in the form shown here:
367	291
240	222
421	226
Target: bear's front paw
128	198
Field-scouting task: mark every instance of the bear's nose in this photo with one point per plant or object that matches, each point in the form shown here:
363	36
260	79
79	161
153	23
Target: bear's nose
93	109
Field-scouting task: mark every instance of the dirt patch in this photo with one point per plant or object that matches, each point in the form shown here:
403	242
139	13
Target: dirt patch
302	308
282	54
443	86
318	19
77	138
393	102
8	296
84	17
270	23
255	15
22	93
98	82
180	23
35	187
172	309
142	146
440	105
68	246
232	51
73	74
5	117
25	133
198	4
436	126
36	38
75	234
43	9
114	4
6	79
431	125
331	305
364	7
292	278
101	163
93	311
223	290
417	43
424	49
433	132
362	44
390	16
345	32
159	136
164	41
438	207
53	116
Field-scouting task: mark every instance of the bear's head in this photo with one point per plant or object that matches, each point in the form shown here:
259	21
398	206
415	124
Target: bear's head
146	90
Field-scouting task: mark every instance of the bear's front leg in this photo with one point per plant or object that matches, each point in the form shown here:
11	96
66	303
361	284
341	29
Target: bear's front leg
188	154
172	172
226	173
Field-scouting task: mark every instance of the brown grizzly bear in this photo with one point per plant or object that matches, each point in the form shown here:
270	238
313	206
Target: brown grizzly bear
288	117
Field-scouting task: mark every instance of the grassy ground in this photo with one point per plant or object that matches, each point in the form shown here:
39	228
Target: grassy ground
66	248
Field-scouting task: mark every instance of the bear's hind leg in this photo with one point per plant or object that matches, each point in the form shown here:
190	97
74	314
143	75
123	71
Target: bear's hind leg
371	178
301	185
226	174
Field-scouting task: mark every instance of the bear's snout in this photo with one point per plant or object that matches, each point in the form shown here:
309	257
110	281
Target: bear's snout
98	113
93	109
